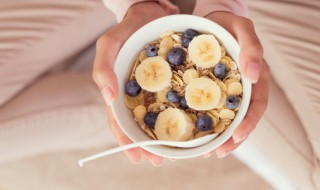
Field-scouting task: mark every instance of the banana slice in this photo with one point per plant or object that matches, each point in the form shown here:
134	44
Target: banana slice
202	94
205	51
165	45
153	74
174	125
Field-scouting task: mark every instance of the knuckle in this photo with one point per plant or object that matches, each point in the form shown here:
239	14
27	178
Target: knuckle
97	75
268	71
245	21
266	104
249	22
102	40
258	48
107	39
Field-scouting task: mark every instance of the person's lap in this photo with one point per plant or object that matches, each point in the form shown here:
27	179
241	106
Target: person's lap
36	35
288	32
287	133
42	109
62	111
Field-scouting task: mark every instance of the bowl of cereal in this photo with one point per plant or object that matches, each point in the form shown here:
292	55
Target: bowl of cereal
179	79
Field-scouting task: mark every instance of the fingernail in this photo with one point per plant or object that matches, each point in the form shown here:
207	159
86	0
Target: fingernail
135	162
238	139
207	155
223	154
156	164
253	71
108	95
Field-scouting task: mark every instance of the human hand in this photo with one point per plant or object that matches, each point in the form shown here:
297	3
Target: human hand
107	48
254	68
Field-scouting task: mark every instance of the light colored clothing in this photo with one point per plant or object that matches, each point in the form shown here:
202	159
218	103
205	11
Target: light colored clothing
291	49
62	109
202	7
48	100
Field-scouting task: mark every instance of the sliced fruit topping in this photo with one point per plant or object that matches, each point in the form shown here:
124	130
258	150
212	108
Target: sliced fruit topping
174	124
154	74
205	51
202	94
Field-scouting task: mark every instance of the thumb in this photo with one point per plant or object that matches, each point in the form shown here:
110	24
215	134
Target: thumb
251	53
107	49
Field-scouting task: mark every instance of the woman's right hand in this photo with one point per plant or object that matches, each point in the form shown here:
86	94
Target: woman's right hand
107	48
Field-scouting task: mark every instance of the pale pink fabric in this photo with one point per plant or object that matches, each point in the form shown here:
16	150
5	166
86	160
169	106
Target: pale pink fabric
205	7
120	8
202	8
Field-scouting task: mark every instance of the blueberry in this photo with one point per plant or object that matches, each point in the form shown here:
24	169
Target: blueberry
220	71
152	51
183	103
187	36
173	97
150	119
132	88
176	56
204	123
185	42
232	102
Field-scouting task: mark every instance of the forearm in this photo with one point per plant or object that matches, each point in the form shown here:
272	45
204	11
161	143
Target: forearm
205	7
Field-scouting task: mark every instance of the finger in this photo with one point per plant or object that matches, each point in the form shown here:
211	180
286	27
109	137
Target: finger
251	53
225	149
209	154
258	105
107	48
133	154
172	159
154	159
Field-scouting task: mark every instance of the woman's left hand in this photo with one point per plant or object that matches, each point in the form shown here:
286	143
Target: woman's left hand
254	68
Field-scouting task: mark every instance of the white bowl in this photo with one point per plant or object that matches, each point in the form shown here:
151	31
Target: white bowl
123	65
